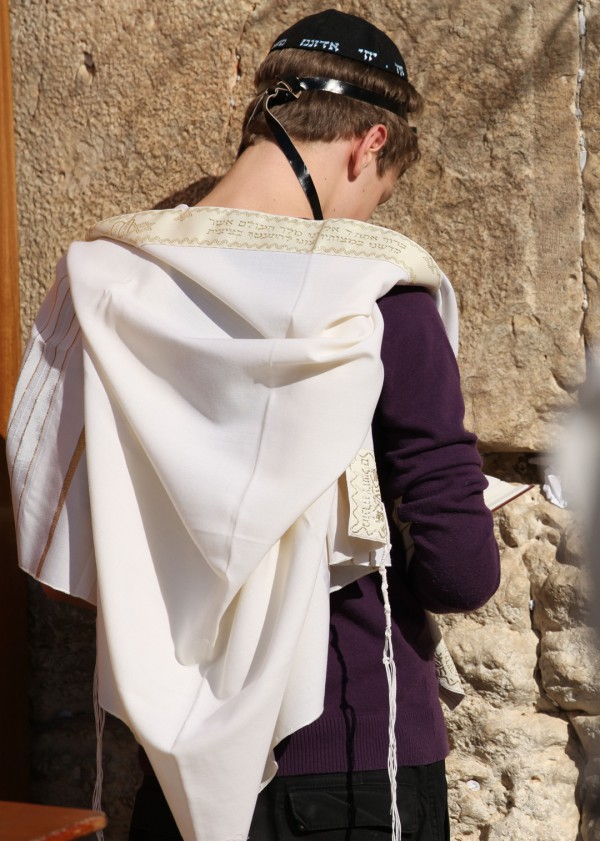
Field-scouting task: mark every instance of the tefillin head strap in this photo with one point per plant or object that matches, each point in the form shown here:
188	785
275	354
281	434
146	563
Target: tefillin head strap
287	90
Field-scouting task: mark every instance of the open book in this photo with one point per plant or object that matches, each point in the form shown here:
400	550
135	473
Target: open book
498	492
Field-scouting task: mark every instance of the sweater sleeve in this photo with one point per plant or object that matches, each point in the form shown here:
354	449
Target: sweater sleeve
428	463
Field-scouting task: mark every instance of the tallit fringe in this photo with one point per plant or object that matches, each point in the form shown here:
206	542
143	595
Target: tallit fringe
99	718
390	671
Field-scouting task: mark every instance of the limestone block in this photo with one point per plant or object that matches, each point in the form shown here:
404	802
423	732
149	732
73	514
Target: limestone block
497	735
475	798
587	728
590	93
120	106
514	782
590	796
510	606
500	667
504	219
534	526
116	106
590	818
513	767
498	663
519	731
553	825
562	599
569	667
573	549
588	732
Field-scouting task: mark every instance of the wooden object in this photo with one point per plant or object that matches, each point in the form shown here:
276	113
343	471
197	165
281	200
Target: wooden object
14	751
10	336
29	822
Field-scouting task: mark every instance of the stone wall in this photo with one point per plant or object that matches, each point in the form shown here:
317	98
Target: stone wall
517	756
137	104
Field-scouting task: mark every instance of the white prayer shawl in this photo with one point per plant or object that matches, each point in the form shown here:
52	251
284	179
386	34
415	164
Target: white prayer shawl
225	365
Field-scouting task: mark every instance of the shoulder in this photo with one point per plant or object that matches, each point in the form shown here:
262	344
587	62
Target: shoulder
406	299
412	325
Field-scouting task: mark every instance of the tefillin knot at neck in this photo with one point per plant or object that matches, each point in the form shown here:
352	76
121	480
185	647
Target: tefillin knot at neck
286	90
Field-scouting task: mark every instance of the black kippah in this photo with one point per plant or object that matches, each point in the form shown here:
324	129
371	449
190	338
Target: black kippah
345	35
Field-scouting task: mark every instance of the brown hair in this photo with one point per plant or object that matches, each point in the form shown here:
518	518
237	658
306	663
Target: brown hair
322	116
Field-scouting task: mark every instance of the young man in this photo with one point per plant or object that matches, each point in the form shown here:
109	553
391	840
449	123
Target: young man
221	369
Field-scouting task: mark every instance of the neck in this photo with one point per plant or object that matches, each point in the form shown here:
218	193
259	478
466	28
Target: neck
261	179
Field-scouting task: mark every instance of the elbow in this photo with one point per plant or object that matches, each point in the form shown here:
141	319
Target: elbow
469	600
468	591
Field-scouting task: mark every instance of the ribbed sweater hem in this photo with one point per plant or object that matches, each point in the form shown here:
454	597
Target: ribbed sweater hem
343	743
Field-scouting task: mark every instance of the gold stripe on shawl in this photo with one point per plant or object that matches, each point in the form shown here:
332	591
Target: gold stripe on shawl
75	458
31	413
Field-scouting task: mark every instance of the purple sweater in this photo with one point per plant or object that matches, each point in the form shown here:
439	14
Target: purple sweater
425	457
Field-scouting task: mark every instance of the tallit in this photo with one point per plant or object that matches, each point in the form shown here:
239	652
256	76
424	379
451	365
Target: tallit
196	384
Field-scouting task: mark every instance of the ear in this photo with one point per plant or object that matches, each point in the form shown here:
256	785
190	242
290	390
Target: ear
366	148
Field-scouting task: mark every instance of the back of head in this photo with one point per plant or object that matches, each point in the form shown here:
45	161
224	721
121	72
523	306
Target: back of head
338	46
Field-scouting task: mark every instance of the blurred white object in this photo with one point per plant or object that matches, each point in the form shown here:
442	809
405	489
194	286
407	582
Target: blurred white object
553	489
578	456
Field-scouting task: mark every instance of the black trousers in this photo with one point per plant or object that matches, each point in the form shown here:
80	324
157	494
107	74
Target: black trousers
323	807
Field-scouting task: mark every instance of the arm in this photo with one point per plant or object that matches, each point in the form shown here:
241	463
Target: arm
428	461
45	449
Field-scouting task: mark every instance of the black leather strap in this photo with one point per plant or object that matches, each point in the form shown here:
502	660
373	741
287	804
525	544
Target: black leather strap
317	83
281	93
289	89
